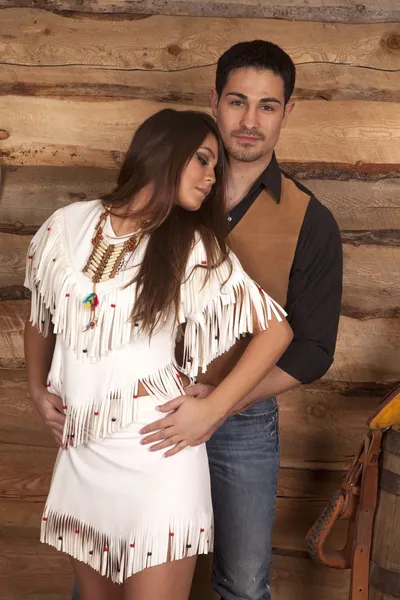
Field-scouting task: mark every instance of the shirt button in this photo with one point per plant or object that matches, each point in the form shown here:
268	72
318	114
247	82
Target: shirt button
229	219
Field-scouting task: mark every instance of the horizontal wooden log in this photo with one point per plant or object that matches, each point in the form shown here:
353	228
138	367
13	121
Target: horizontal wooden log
366	351
38	572
170	43
30	194
320	427
292	578
360	171
370	289
327	81
13	257
29	569
180	65
13	316
314	10
371	274
358	205
50	131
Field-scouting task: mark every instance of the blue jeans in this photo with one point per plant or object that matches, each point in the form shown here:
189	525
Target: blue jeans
244	463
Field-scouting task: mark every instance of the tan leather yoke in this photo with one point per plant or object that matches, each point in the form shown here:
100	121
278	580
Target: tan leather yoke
265	241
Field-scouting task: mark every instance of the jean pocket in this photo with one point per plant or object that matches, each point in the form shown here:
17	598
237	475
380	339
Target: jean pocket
266	407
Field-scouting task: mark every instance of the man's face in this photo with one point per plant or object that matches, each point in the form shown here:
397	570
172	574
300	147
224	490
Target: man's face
251	113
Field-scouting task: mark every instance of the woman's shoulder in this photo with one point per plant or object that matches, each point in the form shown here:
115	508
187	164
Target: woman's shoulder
75	213
80	210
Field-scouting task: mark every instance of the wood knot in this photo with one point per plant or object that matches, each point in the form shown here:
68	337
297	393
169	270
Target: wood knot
392	42
318	411
174	49
47	31
360	7
4	134
116	155
148	65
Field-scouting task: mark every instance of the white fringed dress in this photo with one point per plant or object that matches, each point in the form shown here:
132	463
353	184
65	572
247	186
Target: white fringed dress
113	504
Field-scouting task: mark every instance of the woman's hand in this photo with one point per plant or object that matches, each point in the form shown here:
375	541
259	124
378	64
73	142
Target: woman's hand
199	390
191	419
50	408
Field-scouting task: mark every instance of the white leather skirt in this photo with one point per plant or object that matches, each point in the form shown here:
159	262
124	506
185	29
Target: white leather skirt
120	508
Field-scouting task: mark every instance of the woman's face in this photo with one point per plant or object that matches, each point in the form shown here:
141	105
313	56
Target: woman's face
198	177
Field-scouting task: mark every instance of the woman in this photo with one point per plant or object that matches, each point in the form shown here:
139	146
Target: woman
114	282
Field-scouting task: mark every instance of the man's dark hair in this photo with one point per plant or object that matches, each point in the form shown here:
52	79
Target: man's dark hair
258	54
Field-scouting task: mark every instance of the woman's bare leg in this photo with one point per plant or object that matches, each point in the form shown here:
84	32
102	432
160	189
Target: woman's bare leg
93	586
171	580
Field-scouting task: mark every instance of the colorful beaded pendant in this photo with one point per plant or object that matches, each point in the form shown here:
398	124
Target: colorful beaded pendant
104	262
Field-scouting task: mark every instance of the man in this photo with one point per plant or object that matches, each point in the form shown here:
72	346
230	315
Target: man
290	244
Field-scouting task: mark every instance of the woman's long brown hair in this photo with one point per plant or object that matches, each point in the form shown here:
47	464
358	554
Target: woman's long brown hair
159	152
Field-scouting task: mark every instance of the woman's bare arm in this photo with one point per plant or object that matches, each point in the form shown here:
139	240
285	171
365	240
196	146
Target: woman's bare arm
194	417
38	356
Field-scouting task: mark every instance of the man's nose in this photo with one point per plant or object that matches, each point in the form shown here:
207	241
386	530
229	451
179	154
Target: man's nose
249	118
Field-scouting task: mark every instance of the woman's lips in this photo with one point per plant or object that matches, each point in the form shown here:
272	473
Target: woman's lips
203	191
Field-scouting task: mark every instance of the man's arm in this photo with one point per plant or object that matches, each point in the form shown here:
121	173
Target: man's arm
275	383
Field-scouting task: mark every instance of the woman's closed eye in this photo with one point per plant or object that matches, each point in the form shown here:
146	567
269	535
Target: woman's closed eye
202	160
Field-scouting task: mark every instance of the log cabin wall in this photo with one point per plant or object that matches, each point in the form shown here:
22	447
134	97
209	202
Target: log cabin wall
74	83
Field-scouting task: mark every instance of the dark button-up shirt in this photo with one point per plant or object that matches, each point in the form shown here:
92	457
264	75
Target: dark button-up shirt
315	281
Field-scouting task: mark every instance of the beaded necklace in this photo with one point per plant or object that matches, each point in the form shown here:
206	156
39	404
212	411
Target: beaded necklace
105	262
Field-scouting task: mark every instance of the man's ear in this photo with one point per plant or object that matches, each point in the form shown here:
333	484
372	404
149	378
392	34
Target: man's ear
214	101
288	109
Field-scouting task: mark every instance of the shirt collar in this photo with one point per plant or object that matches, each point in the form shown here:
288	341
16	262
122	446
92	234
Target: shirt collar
270	178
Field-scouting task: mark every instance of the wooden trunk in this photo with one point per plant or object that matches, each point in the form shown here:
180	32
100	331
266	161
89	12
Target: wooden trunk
385	556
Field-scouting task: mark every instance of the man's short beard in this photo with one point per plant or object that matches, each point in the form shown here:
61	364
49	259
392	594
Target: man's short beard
247	155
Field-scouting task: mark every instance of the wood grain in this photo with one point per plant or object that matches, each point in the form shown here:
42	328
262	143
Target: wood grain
30	194
292	577
13	316
366	351
360	205
170	43
50	131
326	81
30	570
305	10
371	287
322	429
13	249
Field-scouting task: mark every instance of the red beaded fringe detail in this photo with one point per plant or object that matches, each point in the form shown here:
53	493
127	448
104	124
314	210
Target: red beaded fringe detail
152	544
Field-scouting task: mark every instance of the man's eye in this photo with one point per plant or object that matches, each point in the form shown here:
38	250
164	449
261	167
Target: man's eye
237	103
267	108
